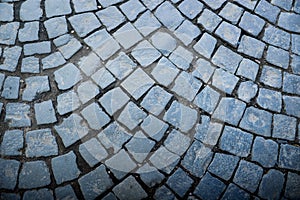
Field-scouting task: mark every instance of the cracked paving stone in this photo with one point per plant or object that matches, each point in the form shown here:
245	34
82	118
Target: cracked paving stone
190	8
251	23
44	112
145	53
164	42
129	189
251	47
271	76
95	116
11	56
38	194
147	23
18	115
154	127
293	160
130	13
111	17
8	173
284	127
181	57
53	60
269	99
271	185
84	5
292	186
84	23
206	45
35	86
67	102
67	76
233	192
177	142
127	36
57	7
187	32
12	143
65	192
247	91
30	65
56	26
30	32
150	175
11	87
291	83
180	182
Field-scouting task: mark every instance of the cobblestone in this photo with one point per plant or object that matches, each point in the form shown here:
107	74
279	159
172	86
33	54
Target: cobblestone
111	17
11	56
147	23
271	76
271	184
82	6
224	81
95	116
291	83
267	11
247	91
56	26
284	127
131	116
154	127
269	99
30	32
180	182
145	53
129	189
31	10
56	7
289	162
38	194
251	47
127	9
181	57
44	112
11	88
30	65
235	193
251	23
9	173
12	143
207	99
225	28
190	8
90	23
17	115
187	32
65	192
164	42
277	37
278	57
206	45
7	12
203	70
292	183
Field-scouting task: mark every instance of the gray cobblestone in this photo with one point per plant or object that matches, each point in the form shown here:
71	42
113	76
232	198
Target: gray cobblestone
232	38
289	21
127	36
129	189
12	143
18	115
164	42
251	47
207	99
267	11
292	183
292	105
56	26
295	65
57	7
181	57
231	12
30	65
154	127
177	142
145	53
150	175
67	76
35	86
209	20
84	5
284	127
214	4
95	116
271	76
11	56
69	47
147	23
187	32
105	3
111	17
44	112
37	48
207	131
90	23
291	83
271	185
292	161
164	192
277	37
247	3
11	87
53	60
180	182
190	8
65	192
130	13
206	45
295	44
67	102
30	32
10	196
203	70
7	12
8	173
8	33
251	23
224	81
31	10
247	91
269	99
87	90
38	194
278	57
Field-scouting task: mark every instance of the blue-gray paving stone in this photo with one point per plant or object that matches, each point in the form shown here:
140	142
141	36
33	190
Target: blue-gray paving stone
154	127
95	116
87	90
67	102
71	129
151	4
8	33
56	26
208	132
44	112
292	186
131	115
251	23
248	175
267	11
147	23
236	141
224	81
206	45
247	3
164	193
89	64
53	60
297	6
180	182
127	35
31	10
11	87
228	163
110	196
231	12
292	104
195	163
265	152
209	20
150	175
269	99
91	23
214	4
38	194
190	8
12	143
129	189
181	116
251	47
287	5
34	86
207	99
257	121
247	91
284	127
8	173
40	143
145	53
227	59
289	21
156	100
289	157
187	32
209	188
291	83
37	48
165	72
65	192
6	12
11	56
181	57
271	76
277	37
164	42
95	183
36	169
295	44
232	38
92	152
271	185
30	65
64	167
10	196
233	192
57	7
278	57
103	77
130	13
111	17
69	47
203	70
67	76
114	100
84	5
30	32
177	142
169	15
106	3
18	115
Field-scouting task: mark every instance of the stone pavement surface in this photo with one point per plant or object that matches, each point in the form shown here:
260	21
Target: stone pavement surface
150	99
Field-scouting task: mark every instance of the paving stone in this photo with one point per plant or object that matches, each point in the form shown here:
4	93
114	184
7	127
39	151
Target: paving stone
37	48
214	4
12	143
287	5
190	8
147	23
53	60
67	102
252	23
145	53
38	194
295	44
209	188
292	186
181	116
110	196
130	13
111	17
89	64
156	100
10	196
206	45
67	76
181	57
31	10
56	26
7	12
236	141
154	127
36	169
44	112
71	129
65	192
271	185
35	86
224	81
150	175
209	20
87	90
92	152
30	32
227	59
105	3
8	33
233	192
231	38
64	167
267	11
247	91
269	99
297	6
228	163
247	3
84	5
271	76
95	116
277	37
292	105
8	173
197	159
180	182
90	23
295	64
208	132
127	35
164	193
203	70
11	87
129	189
30	65
248	175
231	12
284	127
57	7
70	46
95	183
289	157
251	47
11	56
278	57
164	42
187	32
17	115
207	99
151	4
289	21
177	142
291	83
